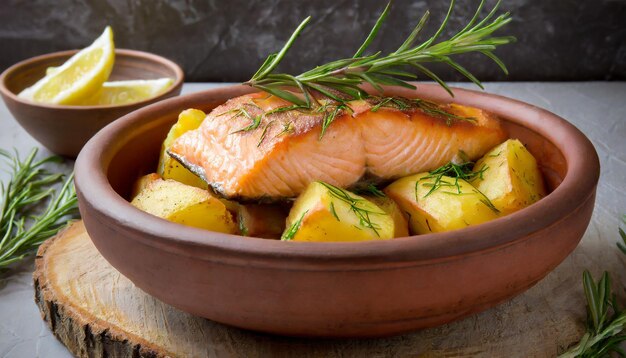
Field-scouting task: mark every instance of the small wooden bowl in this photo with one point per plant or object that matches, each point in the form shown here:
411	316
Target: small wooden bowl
65	129
372	288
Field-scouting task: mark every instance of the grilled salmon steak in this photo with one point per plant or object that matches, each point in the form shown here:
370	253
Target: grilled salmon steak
255	147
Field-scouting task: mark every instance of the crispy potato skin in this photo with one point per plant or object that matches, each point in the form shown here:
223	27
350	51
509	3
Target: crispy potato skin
511	178
169	168
183	204
444	209
324	217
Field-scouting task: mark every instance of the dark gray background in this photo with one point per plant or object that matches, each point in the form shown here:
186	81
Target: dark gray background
227	40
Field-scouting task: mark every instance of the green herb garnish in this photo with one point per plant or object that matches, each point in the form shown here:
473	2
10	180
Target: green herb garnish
356	206
23	227
605	321
455	171
288	128
622	245
330	113
371	189
431	108
341	80
293	229
333	211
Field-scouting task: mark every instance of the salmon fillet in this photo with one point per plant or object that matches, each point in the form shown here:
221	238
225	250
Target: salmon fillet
282	152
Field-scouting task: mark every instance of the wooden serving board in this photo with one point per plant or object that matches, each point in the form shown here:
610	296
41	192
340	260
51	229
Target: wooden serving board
97	312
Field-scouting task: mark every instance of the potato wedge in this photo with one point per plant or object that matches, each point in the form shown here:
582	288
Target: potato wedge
445	208
401	224
510	177
327	213
183	204
168	167
143	182
262	220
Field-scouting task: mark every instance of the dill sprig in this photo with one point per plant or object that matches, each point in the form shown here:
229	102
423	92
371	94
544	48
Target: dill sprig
431	108
289	234
288	128
256	120
341	80
605	321
456	171
356	206
22	226
371	189
331	110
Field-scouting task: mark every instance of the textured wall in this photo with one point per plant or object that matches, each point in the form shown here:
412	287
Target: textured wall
227	40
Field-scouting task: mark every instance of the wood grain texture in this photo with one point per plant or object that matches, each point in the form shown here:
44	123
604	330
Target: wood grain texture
97	312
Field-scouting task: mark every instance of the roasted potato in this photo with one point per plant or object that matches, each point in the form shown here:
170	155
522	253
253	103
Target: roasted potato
401	225
143	182
183	204
169	168
440	204
262	220
327	213
509	177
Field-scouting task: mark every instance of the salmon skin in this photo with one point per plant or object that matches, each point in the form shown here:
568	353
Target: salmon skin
257	148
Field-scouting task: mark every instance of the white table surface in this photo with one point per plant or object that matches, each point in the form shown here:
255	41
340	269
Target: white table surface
596	108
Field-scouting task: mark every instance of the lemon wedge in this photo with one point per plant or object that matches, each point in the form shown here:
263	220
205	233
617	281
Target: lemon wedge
124	92
78	78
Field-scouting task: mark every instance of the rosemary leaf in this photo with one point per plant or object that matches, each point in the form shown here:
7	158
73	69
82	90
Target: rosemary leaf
606	322
23	227
346	75
622	245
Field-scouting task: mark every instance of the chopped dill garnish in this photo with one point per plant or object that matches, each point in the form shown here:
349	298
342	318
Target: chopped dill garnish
293	229
373	190
285	109
243	229
256	120
435	110
332	211
264	133
356	207
288	128
330	113
428	107
393	102
455	171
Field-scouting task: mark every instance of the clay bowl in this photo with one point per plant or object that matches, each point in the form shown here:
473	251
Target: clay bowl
64	130
361	289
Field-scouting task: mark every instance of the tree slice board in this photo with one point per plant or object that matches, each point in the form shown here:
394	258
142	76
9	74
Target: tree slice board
97	312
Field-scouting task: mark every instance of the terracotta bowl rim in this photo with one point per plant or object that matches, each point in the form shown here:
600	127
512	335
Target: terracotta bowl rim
178	80
102	202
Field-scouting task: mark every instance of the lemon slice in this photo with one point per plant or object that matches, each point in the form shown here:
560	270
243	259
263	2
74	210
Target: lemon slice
124	92
79	77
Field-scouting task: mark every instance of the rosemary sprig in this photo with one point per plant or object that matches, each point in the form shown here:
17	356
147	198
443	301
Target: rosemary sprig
605	321
363	214
340	80
622	245
22	230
